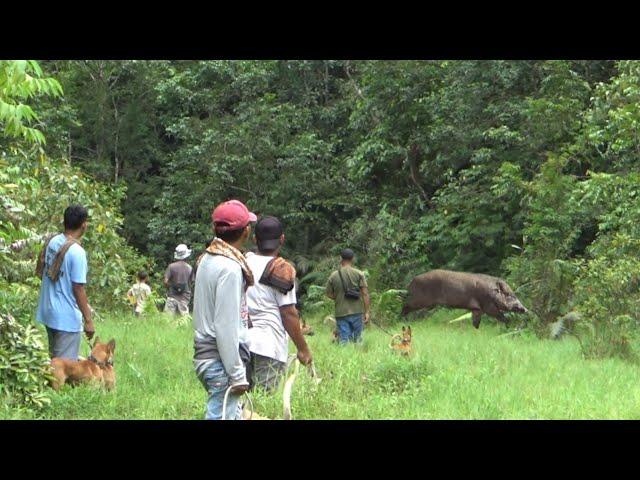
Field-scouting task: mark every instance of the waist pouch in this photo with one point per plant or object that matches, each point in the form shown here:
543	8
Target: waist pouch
178	288
275	277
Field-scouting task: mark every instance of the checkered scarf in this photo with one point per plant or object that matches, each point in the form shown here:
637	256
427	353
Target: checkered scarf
220	247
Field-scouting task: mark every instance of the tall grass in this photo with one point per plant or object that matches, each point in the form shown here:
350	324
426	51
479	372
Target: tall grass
455	372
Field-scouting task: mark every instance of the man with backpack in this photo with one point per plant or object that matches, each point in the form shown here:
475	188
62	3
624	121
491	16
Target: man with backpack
63	305
272	308
347	287
178	279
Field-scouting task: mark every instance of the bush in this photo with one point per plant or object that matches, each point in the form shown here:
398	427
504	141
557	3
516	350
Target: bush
316	302
24	364
386	306
544	270
607	297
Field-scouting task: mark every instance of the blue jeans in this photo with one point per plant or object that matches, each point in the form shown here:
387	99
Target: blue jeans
216	381
349	328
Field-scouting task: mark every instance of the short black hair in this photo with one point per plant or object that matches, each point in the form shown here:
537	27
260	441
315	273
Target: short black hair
75	216
142	275
347	254
267	252
231	236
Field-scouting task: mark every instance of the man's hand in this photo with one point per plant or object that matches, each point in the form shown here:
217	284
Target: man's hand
304	356
240	389
81	297
89	329
366	318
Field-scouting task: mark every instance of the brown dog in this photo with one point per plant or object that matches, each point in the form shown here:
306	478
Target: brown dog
97	368
306	329
404	347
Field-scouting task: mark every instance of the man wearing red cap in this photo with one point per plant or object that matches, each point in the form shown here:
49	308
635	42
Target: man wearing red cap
220	314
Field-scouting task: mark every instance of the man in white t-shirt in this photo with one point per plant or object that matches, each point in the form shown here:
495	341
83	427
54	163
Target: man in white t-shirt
272	308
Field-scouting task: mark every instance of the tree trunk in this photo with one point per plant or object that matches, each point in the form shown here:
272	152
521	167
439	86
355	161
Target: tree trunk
414	168
306	239
115	146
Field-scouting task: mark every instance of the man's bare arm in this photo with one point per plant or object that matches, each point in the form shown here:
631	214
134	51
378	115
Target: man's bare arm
328	291
367	303
83	303
291	322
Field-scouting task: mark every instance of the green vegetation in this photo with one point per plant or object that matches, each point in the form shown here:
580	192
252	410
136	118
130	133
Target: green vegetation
526	170
456	372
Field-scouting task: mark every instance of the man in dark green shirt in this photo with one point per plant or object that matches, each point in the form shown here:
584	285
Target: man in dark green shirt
347	287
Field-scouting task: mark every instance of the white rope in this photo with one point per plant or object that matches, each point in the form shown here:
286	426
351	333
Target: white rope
224	403
286	394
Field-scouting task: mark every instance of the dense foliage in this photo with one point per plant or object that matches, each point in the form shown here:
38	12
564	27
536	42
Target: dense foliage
34	189
523	169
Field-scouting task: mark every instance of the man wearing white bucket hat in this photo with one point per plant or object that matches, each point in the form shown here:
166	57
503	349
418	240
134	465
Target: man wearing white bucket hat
177	279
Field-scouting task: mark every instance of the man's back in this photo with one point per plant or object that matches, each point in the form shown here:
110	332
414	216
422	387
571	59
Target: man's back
140	291
57	307
352	277
179	276
218	287
268	336
219	311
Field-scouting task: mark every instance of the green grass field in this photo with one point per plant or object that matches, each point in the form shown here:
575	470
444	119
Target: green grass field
456	372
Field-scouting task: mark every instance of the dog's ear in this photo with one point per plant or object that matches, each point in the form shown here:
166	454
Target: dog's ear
403	329
96	340
409	330
112	345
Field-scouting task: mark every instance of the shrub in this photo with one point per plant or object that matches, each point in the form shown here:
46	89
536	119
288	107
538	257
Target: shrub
386	306
607	297
544	270
24	364
316	302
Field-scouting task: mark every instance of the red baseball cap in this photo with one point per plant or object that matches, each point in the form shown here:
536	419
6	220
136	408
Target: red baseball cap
231	215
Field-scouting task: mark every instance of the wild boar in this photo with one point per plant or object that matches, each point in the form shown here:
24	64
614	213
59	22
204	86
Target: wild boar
473	291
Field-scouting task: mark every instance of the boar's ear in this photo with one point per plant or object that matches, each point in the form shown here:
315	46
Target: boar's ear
504	288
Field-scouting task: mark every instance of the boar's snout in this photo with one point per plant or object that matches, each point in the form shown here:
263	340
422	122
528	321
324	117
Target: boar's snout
518	307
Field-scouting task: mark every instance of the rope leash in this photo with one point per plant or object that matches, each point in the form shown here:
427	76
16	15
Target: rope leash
390	334
286	394
226	397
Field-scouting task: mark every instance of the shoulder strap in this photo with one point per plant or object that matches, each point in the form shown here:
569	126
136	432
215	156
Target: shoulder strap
54	269
42	256
342	281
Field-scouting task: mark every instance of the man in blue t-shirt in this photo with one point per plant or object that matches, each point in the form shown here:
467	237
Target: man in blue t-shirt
63	300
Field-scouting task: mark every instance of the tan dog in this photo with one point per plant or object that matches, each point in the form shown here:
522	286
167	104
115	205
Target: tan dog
329	320
404	347
97	368
306	329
